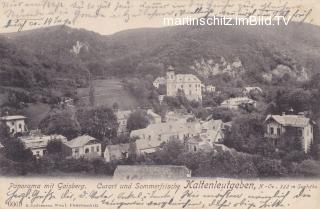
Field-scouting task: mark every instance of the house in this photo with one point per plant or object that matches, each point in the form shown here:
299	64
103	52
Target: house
235	103
83	146
196	144
159	81
298	125
210	88
150	138
153	117
116	152
247	90
16	123
38	142
212	131
122	118
139	172
178	116
189	84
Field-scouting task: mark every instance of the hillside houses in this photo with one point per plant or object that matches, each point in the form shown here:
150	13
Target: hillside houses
297	125
149	139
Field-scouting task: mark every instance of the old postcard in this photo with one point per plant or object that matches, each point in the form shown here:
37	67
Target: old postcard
131	104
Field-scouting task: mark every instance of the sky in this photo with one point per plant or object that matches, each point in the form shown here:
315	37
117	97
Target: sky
111	16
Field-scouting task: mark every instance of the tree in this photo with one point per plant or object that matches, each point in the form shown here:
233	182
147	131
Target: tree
99	122
60	123
137	120
91	91
16	151
169	152
4	131
54	147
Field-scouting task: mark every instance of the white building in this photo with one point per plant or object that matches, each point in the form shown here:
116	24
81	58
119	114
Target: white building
16	123
210	88
153	117
189	84
299	125
38	142
150	138
83	146
122	118
235	103
247	90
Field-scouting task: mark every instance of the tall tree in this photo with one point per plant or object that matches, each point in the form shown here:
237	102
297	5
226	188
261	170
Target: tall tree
91	91
137	120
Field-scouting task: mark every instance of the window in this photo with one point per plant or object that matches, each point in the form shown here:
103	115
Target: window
98	149
278	131
195	148
86	150
271	130
76	151
12	123
20	126
300	132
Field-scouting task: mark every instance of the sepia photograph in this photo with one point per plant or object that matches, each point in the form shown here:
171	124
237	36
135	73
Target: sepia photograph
169	91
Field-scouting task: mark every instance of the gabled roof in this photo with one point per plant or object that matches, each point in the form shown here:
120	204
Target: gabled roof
13	117
80	141
290	120
151	172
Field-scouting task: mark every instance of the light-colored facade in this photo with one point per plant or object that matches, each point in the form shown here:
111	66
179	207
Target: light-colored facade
189	84
83	146
38	142
116	152
153	117
159	81
302	126
247	90
235	103
16	123
150	138
122	118
210	88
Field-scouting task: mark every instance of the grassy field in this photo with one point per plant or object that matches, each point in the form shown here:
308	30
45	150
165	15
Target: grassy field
109	91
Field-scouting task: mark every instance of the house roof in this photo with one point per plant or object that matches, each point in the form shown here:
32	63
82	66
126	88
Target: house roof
80	141
290	120
13	117
151	172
